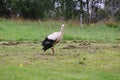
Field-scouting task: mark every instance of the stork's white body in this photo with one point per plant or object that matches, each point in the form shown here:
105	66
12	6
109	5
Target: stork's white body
54	36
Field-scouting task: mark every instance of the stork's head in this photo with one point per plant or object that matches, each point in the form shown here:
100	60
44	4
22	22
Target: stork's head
62	27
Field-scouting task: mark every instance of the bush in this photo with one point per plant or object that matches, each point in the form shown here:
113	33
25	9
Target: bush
111	23
117	15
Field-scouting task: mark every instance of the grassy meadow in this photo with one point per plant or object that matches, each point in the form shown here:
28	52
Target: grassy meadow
86	53
35	31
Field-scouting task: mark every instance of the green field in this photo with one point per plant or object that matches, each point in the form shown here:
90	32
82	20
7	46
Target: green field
86	53
35	31
73	60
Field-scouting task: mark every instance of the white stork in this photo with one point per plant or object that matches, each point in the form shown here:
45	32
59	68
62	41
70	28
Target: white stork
53	39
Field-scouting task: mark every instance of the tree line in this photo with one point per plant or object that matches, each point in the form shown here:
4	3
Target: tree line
83	10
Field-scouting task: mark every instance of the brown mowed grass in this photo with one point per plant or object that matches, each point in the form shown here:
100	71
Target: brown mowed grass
73	60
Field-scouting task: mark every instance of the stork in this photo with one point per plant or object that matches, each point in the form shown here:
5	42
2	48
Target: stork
52	39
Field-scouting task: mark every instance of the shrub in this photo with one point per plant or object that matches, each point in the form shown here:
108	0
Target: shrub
111	23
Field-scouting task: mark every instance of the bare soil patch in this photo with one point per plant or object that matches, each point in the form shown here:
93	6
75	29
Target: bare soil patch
91	45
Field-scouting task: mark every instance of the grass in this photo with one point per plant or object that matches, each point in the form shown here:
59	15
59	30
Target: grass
35	31
88	53
96	61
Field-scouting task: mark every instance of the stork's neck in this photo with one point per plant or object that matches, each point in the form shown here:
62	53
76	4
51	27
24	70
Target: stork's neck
62	29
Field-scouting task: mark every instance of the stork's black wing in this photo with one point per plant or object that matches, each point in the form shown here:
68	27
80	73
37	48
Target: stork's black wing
47	43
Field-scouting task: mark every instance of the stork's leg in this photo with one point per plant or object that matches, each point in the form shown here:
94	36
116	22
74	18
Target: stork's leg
52	50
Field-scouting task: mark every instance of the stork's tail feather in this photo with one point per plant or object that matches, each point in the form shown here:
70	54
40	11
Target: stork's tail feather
44	49
47	43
